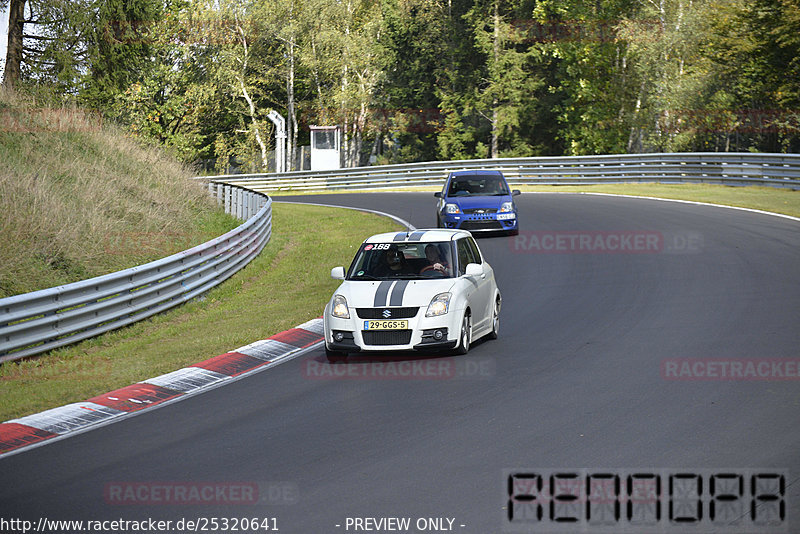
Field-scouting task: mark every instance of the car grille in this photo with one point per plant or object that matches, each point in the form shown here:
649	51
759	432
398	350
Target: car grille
481	225
480	211
387	337
377	313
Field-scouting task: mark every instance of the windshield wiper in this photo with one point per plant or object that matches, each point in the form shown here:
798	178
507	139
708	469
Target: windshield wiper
364	275
414	276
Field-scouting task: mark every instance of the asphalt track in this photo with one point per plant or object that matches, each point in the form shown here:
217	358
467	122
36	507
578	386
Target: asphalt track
579	379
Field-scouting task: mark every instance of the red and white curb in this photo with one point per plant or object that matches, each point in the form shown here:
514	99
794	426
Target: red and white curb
34	429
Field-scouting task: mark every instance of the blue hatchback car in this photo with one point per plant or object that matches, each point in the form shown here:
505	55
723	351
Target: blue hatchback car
478	201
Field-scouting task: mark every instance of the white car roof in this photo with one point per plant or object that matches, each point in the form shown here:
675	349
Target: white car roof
419	235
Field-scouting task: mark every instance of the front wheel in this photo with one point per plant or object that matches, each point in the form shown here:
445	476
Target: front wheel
495	320
465	335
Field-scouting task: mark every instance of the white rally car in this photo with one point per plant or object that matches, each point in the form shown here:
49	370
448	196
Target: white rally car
415	290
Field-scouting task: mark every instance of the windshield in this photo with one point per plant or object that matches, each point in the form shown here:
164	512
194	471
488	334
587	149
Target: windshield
410	261
477	185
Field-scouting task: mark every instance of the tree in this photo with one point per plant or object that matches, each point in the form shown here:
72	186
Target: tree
589	76
55	43
495	88
71	44
413	39
119	48
342	52
16	27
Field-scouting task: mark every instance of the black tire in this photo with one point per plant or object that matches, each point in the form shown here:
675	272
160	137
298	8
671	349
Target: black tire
334	356
465	335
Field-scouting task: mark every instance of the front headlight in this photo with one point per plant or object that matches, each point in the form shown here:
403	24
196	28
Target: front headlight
439	305
339	308
451	208
506	207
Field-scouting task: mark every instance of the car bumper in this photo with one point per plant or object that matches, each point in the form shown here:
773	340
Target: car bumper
491	222
349	335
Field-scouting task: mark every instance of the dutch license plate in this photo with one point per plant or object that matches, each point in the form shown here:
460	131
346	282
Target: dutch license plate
386	325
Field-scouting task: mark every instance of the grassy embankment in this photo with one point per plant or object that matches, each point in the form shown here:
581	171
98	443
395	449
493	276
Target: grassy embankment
80	199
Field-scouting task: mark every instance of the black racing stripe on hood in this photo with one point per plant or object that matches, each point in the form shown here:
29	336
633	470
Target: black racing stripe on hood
400	236
381	293
397	293
416	236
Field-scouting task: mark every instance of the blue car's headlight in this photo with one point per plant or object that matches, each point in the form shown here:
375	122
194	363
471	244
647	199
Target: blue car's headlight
451	209
506	207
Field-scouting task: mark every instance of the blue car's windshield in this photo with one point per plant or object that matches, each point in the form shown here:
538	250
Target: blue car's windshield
477	185
410	261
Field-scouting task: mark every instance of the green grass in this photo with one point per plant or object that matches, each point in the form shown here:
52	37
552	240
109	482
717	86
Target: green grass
286	285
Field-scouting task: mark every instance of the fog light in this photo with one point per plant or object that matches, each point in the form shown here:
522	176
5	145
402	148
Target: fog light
437	335
338	336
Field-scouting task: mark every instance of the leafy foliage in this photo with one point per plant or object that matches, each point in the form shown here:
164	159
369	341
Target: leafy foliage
411	80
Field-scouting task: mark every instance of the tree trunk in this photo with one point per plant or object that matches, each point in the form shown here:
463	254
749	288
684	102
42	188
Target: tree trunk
495	153
291	134
16	22
250	104
256	130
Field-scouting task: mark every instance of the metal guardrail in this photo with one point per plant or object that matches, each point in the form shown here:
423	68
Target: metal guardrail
776	170
39	321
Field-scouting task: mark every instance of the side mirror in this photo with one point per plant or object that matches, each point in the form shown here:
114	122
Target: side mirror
337	273
516	192
474	269
438	194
